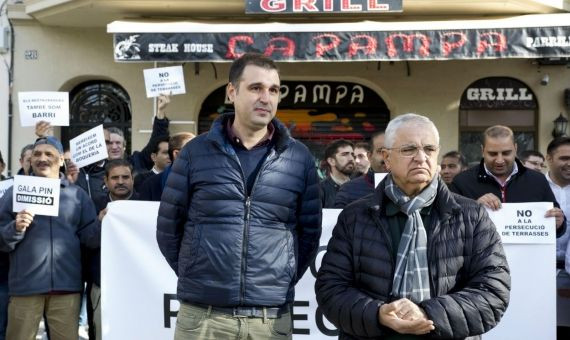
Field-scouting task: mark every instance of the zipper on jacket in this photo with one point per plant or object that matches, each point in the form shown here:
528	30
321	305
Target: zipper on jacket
244	248
247	220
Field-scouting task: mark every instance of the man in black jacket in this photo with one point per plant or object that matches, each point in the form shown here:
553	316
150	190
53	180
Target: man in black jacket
413	260
502	178
339	166
363	185
240	217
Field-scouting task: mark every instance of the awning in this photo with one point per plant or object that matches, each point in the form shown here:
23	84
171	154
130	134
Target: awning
528	36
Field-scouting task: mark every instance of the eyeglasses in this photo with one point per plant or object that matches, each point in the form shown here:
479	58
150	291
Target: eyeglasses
412	150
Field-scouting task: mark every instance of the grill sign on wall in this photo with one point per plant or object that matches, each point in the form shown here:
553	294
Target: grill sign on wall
321	6
498	93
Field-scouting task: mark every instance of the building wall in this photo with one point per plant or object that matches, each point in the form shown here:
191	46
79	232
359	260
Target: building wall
69	56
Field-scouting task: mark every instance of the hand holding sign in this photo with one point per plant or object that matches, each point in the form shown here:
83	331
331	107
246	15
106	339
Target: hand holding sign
43	129
23	220
558	214
162	103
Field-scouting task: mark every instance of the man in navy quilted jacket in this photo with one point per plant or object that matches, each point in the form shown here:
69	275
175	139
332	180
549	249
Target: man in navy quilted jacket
240	216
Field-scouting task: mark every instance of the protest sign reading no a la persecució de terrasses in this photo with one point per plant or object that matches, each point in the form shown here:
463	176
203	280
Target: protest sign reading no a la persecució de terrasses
89	147
524	223
5	185
164	80
52	107
39	195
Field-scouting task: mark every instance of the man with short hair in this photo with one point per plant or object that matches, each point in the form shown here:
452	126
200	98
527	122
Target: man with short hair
363	185
413	258
119	181
51	246
502	178
452	163
240	217
151	189
159	158
558	176
339	162
361	162
533	160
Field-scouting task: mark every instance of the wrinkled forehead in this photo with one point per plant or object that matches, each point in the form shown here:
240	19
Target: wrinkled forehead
43	148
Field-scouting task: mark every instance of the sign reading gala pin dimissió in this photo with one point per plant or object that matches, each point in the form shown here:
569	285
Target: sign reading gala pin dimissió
39	195
52	107
89	147
525	223
164	80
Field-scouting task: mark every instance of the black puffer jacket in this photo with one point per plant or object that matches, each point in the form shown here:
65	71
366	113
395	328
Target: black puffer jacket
354	189
231	249
470	280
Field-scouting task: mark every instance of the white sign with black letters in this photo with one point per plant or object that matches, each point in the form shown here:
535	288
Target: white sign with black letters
52	107
89	147
164	80
5	185
524	223
39	195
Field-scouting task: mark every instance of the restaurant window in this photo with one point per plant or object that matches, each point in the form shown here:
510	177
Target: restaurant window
316	112
98	102
492	101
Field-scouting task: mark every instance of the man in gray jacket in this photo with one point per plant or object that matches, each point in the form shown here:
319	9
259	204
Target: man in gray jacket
45	275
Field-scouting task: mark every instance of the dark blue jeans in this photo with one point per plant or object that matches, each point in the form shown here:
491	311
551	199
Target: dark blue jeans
3	308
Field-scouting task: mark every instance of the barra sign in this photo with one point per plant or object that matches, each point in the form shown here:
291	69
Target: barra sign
321	6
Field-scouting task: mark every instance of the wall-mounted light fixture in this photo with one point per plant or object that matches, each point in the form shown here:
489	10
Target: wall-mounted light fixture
560	125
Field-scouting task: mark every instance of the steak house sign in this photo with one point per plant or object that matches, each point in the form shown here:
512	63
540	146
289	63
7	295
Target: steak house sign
488	43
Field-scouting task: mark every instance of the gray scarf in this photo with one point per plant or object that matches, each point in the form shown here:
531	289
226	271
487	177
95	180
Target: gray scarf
411	277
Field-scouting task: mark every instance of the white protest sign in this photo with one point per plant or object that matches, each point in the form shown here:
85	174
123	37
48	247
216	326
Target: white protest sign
39	195
89	147
378	177
533	272
52	107
129	245
5	185
164	80
524	223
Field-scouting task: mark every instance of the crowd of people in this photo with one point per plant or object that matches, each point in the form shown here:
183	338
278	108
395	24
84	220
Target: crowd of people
250	197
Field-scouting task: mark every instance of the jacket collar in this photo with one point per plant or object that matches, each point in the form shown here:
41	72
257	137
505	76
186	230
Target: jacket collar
217	133
445	205
482	175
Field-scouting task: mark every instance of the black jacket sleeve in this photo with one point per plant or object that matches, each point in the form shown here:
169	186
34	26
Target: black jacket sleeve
309	216
347	307
173	209
480	304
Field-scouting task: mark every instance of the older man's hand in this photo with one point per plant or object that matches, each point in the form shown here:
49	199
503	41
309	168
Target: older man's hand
44	129
23	220
490	201
556	213
405	317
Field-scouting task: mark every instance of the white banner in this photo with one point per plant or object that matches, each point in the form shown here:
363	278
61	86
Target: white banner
524	223
52	107
164	80
39	195
89	147
5	185
142	304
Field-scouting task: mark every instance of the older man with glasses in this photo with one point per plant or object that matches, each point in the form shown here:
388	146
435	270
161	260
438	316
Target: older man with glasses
413	260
